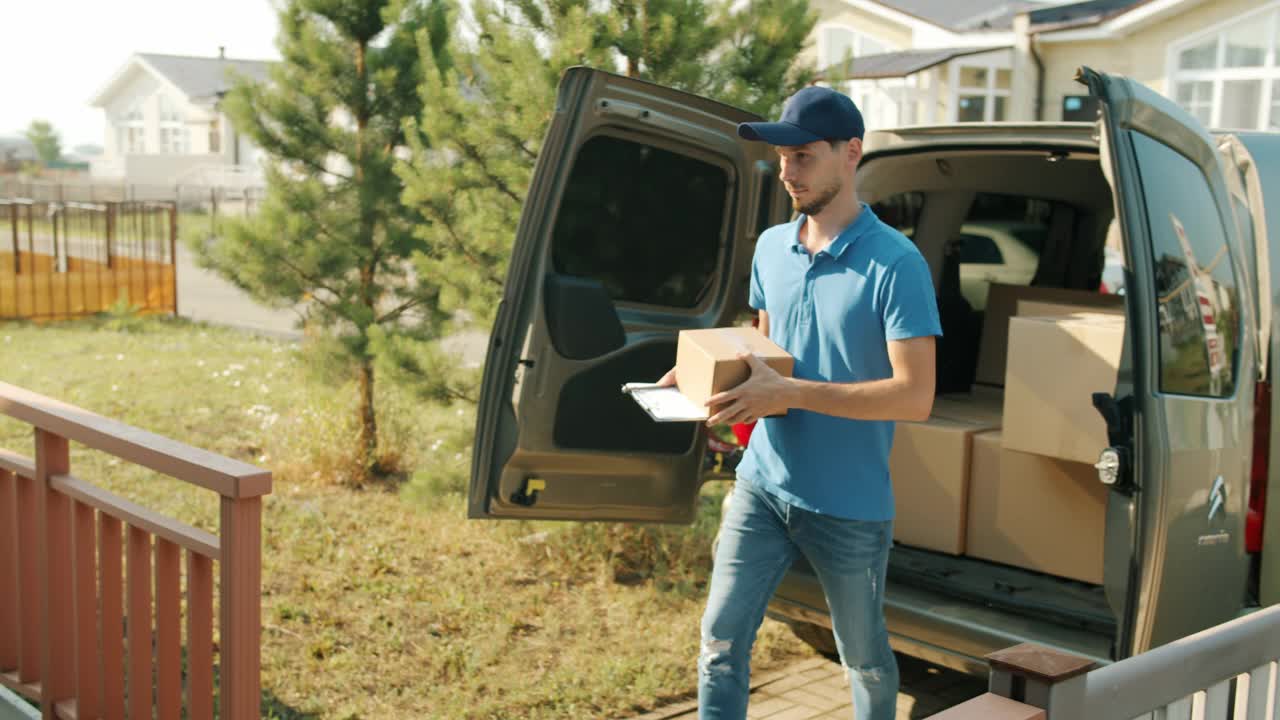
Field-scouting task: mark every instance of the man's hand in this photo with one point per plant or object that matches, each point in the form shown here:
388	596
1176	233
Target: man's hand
669	379
764	393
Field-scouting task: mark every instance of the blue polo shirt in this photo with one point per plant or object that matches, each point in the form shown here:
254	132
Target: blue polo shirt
834	312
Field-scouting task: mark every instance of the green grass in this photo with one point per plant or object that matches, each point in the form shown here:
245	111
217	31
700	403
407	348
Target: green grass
385	601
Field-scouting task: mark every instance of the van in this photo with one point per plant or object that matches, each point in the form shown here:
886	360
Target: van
641	221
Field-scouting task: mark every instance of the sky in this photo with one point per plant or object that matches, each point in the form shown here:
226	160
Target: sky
58	54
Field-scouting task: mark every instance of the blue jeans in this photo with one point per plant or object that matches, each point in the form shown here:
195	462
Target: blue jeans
760	536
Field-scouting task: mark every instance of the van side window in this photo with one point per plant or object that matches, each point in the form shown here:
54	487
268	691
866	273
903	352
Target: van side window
979	250
645	222
901	211
1196	289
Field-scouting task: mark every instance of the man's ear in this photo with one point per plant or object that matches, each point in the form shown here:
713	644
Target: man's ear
854	151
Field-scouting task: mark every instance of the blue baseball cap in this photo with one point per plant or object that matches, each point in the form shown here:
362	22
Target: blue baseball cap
812	114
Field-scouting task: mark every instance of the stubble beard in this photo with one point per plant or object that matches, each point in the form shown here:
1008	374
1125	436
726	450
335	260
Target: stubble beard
820	203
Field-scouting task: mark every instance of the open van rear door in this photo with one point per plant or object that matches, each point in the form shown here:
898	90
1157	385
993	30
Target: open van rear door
639	222
1254	160
1192	364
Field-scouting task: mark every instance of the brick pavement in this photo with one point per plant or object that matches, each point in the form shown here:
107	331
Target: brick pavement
817	689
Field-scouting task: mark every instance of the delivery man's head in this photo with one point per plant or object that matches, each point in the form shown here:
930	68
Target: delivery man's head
819	143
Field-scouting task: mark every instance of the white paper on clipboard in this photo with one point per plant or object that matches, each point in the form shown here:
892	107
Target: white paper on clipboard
665	403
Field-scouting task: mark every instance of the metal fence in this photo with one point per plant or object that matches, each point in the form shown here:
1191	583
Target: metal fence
205	204
62	259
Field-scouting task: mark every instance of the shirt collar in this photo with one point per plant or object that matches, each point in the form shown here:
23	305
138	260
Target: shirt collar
841	241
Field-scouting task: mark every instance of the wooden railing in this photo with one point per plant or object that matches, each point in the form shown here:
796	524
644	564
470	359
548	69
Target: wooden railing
1228	671
76	630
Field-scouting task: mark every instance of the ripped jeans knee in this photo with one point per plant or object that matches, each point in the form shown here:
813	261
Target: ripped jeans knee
716	657
869	675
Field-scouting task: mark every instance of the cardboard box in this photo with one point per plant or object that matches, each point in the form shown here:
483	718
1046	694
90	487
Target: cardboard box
1002	304
1055	366
929	466
1037	308
707	361
981	404
1035	512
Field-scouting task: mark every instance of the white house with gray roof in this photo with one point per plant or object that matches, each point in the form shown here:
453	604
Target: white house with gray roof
164	124
944	61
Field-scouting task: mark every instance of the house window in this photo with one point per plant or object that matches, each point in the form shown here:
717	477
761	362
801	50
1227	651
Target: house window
1229	77
173	130
838	44
130	134
892	102
982	92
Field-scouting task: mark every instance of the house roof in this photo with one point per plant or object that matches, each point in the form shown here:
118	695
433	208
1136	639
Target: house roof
963	15
902	63
199	78
1080	14
20	148
202	77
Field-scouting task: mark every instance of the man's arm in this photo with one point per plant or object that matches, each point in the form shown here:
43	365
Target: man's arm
907	395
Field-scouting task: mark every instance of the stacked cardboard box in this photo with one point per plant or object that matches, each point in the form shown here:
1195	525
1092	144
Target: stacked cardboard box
930	469
1035	512
1055	366
1005	301
1034	497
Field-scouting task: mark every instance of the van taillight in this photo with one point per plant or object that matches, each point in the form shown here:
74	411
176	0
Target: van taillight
1258	473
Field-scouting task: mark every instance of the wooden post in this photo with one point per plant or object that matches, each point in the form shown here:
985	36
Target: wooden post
111	578
241	607
173	253
1035	675
141	653
199	637
88	654
111	230
10	621
57	618
28	591
17	249
168	656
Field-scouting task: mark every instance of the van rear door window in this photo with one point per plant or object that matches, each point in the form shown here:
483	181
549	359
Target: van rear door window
1196	289
645	222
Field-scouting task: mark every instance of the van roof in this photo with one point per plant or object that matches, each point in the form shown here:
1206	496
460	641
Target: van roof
1072	135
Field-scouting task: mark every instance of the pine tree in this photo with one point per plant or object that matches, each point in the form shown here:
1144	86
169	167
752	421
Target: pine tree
474	146
332	232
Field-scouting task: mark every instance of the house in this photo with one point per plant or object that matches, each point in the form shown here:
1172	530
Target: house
165	126
1218	59
943	61
15	152
907	62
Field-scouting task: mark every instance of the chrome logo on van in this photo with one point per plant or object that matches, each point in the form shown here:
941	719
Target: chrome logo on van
1217	497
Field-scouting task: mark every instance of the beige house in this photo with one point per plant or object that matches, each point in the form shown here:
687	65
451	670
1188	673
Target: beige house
943	61
164	124
1217	58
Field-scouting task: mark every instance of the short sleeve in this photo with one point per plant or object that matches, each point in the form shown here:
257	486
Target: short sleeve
909	307
756	295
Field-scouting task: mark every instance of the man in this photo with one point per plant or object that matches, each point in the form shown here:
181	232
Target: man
852	300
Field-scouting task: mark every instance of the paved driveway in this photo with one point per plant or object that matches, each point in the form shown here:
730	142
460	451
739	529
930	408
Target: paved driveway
817	688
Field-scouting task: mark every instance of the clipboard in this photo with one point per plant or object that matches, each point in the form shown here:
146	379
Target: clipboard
665	404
